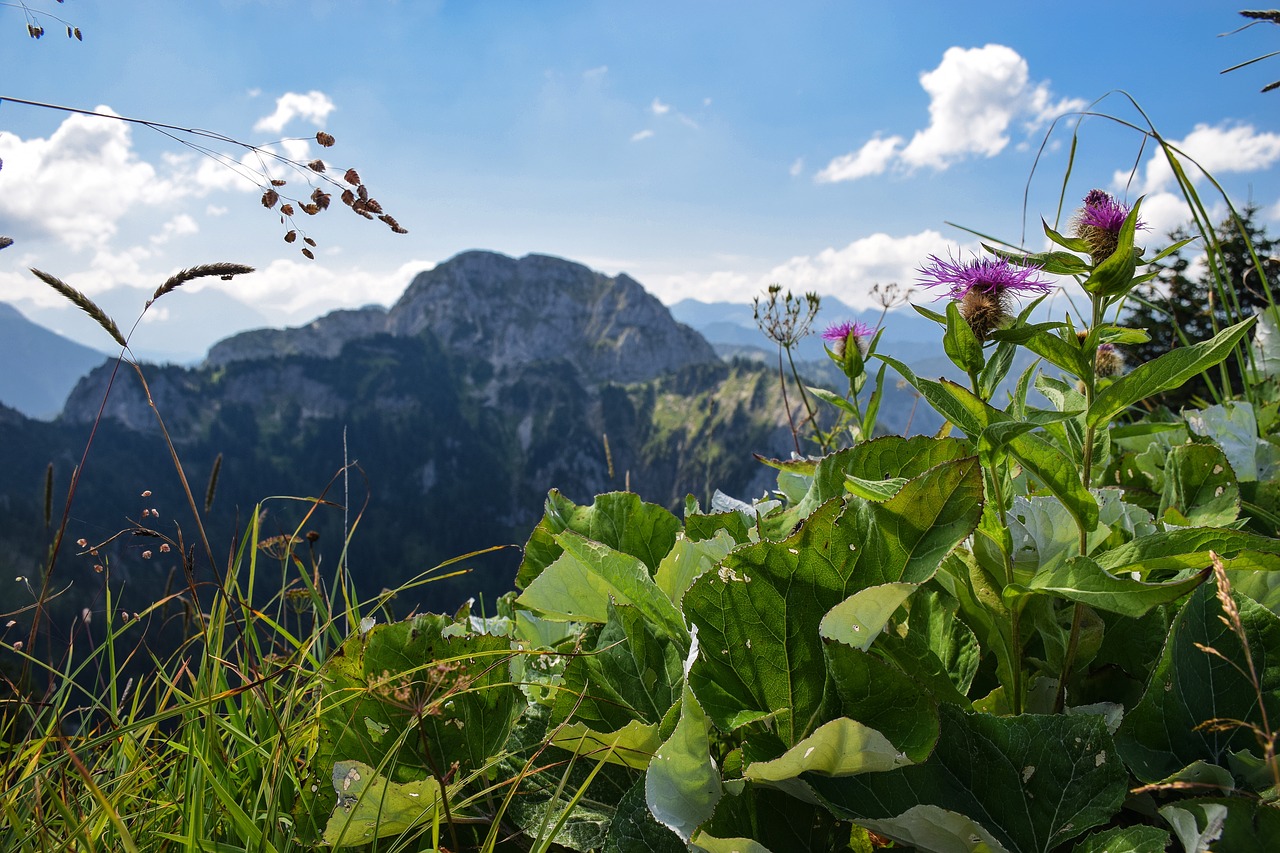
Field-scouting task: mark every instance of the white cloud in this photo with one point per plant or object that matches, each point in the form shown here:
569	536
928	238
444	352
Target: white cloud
847	273
596	73
640	135
975	94
659	108
216	210
871	159
797	168
179	226
80	182
314	107
1219	149
295	291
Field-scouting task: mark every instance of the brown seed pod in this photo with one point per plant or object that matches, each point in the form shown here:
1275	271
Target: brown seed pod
276	182
308	254
291	236
286	209
352	177
348	197
372	205
362	192
316	165
321	198
325	140
308	241
269	198
311	209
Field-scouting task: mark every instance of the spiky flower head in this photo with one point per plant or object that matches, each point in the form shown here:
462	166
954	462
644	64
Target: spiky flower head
983	286
838	334
1108	361
1098	223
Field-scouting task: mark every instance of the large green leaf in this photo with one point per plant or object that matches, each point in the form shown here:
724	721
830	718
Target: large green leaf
1125	839
1190	687
369	806
406	699
1033	782
618	519
888	458
888	700
1188	548
936	830
1164	373
1082	580
632	673
588	576
939	649
633	828
758	615
682	783
1226	824
689	558
858	620
1199	487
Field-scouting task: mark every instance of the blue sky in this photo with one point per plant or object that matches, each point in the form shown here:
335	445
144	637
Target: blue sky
705	148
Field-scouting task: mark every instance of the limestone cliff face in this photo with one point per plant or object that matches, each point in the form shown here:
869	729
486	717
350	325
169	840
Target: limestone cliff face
507	312
539	308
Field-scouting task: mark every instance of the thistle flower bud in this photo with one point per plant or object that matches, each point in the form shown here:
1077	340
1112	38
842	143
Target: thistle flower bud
1108	361
1098	224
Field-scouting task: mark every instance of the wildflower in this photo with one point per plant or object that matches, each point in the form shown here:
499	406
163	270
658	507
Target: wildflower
982	287
1098	223
1108	361
838	335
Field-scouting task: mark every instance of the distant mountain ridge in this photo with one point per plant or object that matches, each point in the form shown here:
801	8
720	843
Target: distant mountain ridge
491	381
507	312
41	366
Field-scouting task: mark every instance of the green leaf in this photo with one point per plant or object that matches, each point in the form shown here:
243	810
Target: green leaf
834	399
632	745
687	559
1200	486
1082	580
841	747
634	828
1163	373
407	690
996	369
1188	548
1058	352
682	784
860	618
370	806
1190	687
617	519
1125	839
757	616
588	576
874	490
1234	428
1114	276
1033	782
1232	824
960	344
936	830
884	698
631	673
1075	244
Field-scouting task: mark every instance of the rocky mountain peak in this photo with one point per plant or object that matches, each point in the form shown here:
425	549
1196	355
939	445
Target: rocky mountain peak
512	311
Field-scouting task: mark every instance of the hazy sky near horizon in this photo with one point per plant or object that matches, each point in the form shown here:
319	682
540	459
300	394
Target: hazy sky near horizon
705	148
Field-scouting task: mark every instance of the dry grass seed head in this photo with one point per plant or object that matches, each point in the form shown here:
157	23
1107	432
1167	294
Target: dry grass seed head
84	303
224	270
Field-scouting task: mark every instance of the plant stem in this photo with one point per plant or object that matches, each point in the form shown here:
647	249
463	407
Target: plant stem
813	417
1086	477
786	403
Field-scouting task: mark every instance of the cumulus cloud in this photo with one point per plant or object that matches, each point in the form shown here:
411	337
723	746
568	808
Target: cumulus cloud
179	226
659	108
80	182
314	106
1218	149
846	273
975	95
871	159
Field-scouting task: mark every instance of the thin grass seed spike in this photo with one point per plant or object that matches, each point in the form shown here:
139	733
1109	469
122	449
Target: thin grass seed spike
84	303
221	269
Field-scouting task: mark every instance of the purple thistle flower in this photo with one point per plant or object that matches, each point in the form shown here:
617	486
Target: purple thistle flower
993	277
1102	211
841	331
